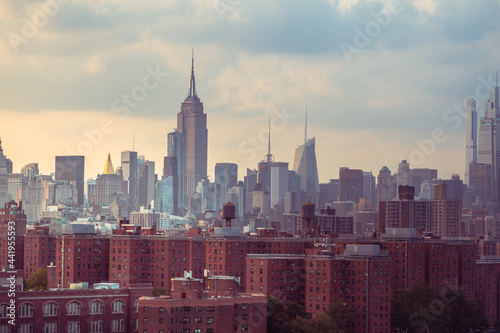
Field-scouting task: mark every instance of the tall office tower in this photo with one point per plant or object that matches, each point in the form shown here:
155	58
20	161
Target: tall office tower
470	135
72	169
226	176
108	185
129	171
176	148
404	174
261	199
305	166
385	185
480	179
250	180
4	178
488	151
279	182
146	183
350	184
369	190
192	122
237	196
167	192
454	187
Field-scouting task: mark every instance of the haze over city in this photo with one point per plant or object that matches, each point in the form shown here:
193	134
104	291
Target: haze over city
366	108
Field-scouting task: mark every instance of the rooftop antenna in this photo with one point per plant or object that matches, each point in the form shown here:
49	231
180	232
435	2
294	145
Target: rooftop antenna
269	156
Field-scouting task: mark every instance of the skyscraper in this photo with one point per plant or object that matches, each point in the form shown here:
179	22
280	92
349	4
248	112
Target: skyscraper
72	169
4	178
470	135
280	178
108	184
226	176
488	150
385	185
192	123
129	169
176	149
305	165
350	184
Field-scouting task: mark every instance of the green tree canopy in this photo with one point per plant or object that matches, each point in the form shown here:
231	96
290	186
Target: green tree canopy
37	281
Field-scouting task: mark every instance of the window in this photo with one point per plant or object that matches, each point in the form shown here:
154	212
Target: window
118	307
26	310
210	309
95	326
24	328
197	308
73	327
50	328
244	327
50	309
210	320
73	308
96	307
117	325
197	320
244	306
3	311
7	329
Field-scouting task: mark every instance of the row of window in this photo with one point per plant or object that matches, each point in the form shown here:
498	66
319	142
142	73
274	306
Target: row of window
72	308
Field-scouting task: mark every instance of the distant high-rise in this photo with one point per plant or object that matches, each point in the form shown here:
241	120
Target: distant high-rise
305	165
226	176
488	148
72	169
279	182
385	185
4	178
146	183
108	185
192	123
176	148
350	184
130	172
404	174
470	135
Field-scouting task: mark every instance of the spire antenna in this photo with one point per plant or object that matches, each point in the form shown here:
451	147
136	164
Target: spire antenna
269	158
192	83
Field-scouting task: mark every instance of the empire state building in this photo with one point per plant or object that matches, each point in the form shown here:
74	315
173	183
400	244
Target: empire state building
192	123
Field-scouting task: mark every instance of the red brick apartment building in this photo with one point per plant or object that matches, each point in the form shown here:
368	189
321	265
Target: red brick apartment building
220	308
12	230
74	310
39	249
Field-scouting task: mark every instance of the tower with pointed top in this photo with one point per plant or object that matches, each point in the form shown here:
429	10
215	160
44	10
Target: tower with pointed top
192	123
305	165
108	185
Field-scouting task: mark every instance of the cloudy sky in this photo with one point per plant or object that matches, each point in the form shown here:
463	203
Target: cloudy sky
382	81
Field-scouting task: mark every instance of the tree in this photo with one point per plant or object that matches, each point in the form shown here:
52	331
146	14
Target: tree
422	309
341	314
37	281
158	291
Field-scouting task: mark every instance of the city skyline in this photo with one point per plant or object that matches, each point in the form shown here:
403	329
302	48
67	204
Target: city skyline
241	84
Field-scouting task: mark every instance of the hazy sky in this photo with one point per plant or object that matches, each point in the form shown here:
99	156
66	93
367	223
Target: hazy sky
80	77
